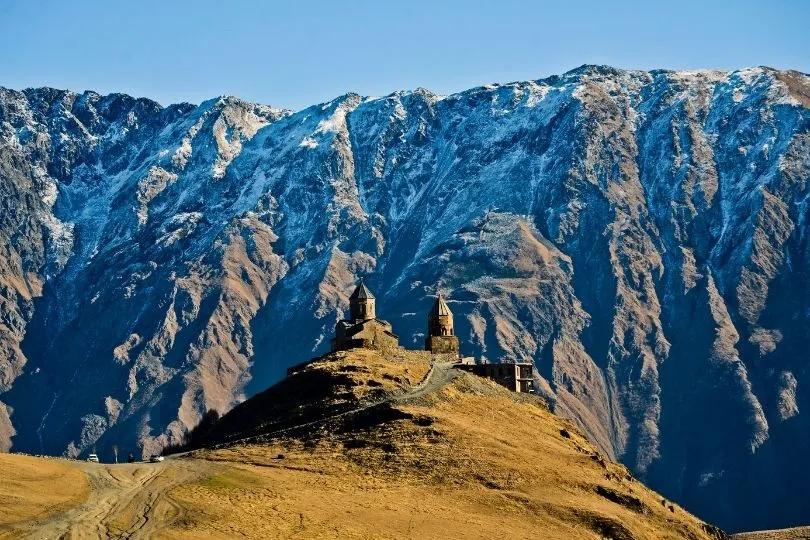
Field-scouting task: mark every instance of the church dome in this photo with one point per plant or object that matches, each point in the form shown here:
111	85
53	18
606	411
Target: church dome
361	293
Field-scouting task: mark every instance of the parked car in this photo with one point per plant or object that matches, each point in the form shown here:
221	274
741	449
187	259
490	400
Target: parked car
93	458
154	458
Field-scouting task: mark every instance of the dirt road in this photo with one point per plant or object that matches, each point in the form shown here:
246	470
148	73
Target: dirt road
135	500
126	501
441	374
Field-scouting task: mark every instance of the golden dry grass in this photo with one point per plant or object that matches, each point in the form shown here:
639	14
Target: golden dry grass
798	84
795	533
459	458
370	375
469	461
35	488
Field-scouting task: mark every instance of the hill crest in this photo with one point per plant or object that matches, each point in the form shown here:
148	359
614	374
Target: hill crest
398	419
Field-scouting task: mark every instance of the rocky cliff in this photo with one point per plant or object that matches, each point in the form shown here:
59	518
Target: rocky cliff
642	237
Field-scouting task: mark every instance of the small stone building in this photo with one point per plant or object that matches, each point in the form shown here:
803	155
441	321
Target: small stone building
363	328
441	338
516	376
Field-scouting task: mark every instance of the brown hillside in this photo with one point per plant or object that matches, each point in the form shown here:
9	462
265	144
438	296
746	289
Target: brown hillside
794	533
35	488
372	453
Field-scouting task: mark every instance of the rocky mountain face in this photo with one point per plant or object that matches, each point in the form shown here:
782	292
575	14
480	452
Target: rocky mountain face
642	237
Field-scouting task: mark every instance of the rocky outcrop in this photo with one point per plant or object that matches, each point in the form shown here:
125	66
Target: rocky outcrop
640	236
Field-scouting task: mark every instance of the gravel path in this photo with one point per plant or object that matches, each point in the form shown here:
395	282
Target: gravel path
130	500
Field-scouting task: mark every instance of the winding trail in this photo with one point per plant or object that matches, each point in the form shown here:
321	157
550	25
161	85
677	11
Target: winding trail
126	501
440	375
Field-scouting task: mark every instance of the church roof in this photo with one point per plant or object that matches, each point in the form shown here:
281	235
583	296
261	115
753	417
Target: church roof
356	328
361	293
440	307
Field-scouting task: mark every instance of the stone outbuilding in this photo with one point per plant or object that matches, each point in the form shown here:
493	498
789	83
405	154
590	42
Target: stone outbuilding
441	338
516	376
363	328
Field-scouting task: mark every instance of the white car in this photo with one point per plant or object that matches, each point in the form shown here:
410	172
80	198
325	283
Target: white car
154	458
93	458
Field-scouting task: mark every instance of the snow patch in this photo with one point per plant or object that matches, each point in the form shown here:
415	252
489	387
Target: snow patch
334	123
787	404
60	233
183	152
243	123
179	227
780	94
150	187
308	142
536	93
748	75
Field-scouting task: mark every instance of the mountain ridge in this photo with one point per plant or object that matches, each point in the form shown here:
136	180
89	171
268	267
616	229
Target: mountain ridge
639	236
580	70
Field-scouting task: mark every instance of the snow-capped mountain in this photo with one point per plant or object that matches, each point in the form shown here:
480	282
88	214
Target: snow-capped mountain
642	237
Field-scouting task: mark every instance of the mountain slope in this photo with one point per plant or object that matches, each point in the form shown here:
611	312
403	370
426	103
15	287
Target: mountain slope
640	236
37	489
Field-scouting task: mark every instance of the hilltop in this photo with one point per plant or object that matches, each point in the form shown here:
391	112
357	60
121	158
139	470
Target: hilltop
372	445
389	446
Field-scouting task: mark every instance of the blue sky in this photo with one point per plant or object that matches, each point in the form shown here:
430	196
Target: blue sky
296	53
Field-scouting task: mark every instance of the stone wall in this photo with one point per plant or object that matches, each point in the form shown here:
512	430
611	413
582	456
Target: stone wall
442	344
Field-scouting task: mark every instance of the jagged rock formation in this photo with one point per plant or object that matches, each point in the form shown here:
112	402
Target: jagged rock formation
640	236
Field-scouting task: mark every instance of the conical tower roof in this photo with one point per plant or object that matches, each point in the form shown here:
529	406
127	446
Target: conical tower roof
440	308
361	293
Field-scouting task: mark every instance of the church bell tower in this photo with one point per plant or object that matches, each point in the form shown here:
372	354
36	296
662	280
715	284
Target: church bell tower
441	337
361	304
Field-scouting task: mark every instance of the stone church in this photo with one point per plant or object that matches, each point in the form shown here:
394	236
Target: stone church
441	338
363	328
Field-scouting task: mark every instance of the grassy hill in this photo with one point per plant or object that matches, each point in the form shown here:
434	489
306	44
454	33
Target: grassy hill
360	445
34	488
